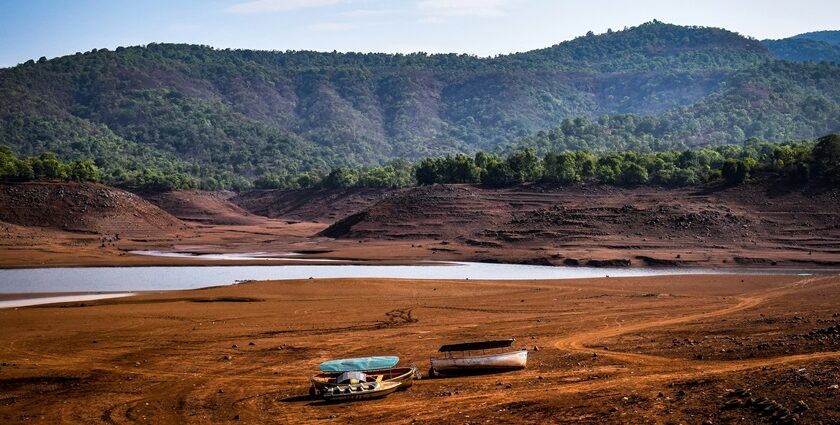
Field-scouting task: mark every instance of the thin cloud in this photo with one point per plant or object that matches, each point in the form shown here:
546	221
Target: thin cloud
331	27
435	10
267	6
360	13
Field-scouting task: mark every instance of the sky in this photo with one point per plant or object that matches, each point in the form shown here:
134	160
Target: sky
30	29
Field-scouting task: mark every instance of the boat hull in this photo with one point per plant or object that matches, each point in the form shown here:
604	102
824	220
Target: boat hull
476	364
357	392
402	375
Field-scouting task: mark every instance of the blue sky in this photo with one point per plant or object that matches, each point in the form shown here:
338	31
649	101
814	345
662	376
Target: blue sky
30	29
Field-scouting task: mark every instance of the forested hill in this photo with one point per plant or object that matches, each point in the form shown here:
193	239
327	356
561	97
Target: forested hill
830	37
231	115
812	46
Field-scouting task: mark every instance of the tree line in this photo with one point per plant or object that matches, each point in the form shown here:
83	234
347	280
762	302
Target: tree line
46	166
799	162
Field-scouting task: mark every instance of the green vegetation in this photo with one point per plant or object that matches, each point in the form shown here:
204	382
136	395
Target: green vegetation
167	116
820	46
799	162
803	49
46	166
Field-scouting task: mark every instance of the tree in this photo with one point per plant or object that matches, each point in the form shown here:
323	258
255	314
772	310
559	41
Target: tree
499	174
734	172
633	175
826	158
426	172
84	171
525	166
341	178
561	168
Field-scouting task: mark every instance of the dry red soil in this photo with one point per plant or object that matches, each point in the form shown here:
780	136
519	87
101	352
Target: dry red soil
669	349
689	349
756	225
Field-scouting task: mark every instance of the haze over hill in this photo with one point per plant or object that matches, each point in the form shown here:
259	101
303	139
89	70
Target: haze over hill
812	46
234	114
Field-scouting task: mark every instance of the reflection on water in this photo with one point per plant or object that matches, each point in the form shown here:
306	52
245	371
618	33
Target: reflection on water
235	256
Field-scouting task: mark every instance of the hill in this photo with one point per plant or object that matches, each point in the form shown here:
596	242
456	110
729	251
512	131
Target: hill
831	37
569	225
224	117
803	49
83	208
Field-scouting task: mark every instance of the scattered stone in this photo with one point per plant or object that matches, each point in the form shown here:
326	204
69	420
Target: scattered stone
536	348
227	357
251	343
234	346
221	391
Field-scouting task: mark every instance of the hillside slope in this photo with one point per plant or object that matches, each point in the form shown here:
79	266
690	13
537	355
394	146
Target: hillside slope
85	208
759	223
228	115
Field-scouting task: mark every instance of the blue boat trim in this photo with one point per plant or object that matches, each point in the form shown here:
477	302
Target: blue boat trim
360	363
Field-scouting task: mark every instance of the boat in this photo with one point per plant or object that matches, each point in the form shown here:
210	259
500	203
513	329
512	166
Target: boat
403	375
375	369
359	391
472	357
359	363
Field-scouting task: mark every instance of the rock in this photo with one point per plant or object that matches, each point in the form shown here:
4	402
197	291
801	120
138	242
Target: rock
234	346
251	343
221	391
733	404
834	387
536	348
227	357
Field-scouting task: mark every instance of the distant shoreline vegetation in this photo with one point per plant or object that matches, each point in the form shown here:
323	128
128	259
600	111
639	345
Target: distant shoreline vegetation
798	161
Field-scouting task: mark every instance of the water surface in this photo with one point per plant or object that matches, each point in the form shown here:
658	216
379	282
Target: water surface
100	279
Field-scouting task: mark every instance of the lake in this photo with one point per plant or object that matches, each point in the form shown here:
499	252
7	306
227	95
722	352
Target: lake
129	279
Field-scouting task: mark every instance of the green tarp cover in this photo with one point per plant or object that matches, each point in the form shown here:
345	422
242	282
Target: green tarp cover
360	363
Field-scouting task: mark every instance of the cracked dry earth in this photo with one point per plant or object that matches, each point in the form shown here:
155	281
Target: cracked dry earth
670	349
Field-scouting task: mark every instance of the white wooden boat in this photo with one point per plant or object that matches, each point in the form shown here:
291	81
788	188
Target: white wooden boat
359	391
472	357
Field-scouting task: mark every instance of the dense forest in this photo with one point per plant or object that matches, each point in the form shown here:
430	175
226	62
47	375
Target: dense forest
172	116
799	162
45	167
820	46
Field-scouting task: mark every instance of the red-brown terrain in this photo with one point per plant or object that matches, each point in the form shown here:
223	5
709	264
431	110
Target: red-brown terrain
756	224
735	348
668	349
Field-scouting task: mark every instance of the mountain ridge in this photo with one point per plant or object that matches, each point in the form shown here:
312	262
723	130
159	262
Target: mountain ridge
230	115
